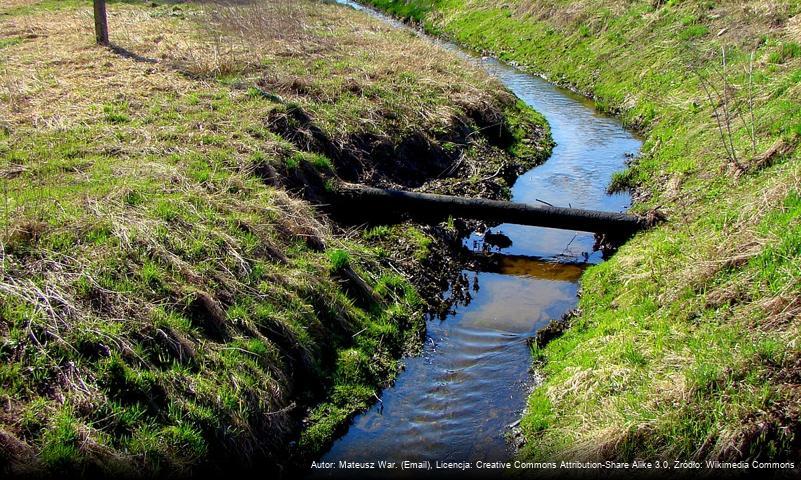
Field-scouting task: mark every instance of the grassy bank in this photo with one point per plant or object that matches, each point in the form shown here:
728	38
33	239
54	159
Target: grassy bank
687	341
168	297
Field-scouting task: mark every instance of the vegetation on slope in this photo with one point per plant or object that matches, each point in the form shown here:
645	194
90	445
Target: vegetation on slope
687	341
164	302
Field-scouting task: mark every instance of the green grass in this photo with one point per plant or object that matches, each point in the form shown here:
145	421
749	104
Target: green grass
7	42
420	242
687	336
162	306
339	259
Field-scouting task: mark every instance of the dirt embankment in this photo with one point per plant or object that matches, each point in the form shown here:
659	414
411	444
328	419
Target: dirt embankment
478	163
476	145
473	155
469	155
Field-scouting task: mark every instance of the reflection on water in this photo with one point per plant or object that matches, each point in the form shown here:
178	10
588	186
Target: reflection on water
456	400
590	147
526	267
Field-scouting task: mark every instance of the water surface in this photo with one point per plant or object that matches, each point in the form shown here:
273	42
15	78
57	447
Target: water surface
456	401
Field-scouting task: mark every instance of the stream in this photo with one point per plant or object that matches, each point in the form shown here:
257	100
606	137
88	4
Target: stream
457	400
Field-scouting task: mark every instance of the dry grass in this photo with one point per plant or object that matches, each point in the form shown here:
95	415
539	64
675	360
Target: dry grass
57	78
161	306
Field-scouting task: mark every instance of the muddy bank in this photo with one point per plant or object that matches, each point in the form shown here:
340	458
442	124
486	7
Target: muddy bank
481	153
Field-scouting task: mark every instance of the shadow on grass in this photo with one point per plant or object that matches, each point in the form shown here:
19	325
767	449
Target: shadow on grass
123	52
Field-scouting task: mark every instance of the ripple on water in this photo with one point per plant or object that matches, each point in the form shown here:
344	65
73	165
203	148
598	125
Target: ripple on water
455	401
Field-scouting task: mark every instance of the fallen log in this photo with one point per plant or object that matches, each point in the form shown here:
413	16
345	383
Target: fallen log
377	203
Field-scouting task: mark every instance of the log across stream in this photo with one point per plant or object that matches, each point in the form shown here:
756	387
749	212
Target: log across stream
378	202
457	400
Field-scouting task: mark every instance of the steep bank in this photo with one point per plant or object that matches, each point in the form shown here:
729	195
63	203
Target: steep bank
171	298
686	342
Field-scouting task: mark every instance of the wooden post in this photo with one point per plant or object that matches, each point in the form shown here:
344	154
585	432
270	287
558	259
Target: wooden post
101	23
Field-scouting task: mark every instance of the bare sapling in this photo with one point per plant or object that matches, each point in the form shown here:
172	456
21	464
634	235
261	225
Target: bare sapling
727	106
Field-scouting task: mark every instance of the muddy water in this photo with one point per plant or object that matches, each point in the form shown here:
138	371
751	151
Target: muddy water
456	401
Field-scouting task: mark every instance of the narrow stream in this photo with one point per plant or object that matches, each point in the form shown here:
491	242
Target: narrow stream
456	401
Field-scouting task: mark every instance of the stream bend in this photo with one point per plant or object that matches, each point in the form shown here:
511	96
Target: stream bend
457	399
